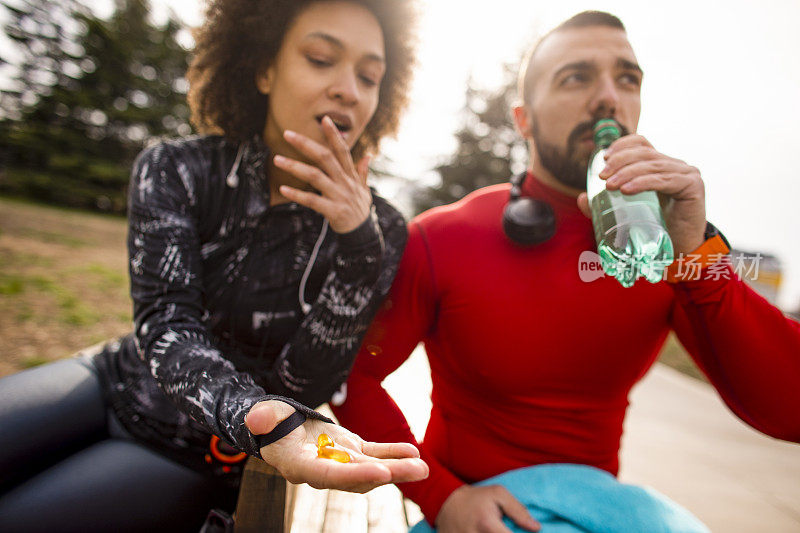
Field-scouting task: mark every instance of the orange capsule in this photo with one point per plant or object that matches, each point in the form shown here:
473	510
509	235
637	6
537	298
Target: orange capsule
327	452
324	440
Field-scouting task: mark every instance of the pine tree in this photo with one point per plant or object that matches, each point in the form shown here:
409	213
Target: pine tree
489	148
114	84
45	33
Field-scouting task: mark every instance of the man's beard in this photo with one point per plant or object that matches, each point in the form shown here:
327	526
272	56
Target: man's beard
567	166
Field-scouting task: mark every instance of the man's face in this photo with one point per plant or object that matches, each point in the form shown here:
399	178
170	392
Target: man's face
580	75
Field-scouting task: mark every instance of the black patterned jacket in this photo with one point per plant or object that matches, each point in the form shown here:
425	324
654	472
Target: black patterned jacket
215	281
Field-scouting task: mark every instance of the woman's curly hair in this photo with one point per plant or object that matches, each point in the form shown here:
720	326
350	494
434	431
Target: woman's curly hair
241	38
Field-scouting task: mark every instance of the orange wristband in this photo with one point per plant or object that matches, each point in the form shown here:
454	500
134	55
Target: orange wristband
689	267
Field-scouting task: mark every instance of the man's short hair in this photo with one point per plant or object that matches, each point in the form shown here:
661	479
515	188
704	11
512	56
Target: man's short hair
581	20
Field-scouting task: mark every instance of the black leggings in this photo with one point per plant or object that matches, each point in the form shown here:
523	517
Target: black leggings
64	467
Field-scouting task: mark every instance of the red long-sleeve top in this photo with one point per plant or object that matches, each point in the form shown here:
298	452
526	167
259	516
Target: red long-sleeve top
531	365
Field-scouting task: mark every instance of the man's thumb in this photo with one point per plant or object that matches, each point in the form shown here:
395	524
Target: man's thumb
517	512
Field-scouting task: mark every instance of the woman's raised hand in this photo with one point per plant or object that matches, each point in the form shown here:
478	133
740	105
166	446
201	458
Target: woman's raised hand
344	198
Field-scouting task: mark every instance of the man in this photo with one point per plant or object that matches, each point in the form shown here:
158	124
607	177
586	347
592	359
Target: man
531	365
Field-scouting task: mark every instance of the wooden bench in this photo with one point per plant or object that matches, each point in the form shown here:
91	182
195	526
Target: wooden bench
269	504
266	500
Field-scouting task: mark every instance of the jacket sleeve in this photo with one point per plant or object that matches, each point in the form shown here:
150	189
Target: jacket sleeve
405	317
748	349
319	356
166	286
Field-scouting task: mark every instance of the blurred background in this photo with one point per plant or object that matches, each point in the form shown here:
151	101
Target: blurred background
85	87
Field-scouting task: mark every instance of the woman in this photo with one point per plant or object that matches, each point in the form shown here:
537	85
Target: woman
258	257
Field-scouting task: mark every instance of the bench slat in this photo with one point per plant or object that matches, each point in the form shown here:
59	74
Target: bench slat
345	511
309	509
262	504
385	510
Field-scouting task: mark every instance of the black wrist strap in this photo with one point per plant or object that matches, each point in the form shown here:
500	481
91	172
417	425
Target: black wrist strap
712	231
288	425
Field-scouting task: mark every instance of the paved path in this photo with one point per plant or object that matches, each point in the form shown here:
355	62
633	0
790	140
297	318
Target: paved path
681	440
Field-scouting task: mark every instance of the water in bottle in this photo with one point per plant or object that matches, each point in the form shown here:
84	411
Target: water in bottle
632	239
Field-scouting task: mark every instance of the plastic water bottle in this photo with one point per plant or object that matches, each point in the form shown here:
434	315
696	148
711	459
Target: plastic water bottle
631	236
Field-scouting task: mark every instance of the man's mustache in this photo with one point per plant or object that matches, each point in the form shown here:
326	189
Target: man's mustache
588	127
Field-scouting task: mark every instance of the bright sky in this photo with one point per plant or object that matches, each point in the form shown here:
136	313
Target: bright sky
720	92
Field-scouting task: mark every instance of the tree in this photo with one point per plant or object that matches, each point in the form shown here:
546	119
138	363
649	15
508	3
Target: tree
45	33
85	104
489	148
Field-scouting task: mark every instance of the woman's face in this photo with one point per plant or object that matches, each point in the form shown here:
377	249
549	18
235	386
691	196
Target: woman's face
331	62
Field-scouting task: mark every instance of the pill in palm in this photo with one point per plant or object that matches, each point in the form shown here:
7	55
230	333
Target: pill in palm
329	452
324	440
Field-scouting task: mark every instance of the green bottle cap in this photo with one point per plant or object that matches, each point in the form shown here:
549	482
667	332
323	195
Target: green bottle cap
606	131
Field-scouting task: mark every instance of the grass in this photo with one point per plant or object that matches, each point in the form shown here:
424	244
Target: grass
673	354
72	310
63	282
32	361
11	285
24	314
105	278
75	313
54	237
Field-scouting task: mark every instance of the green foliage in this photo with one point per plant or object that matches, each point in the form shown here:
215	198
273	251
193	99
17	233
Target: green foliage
489	148
89	92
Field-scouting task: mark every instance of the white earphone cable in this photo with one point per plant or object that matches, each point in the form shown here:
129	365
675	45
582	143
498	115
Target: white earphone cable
232	179
306	307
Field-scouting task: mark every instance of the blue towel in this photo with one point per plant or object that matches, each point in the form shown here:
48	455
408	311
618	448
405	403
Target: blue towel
568	498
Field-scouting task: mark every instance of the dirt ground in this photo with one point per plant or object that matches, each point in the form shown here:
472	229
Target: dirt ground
63	282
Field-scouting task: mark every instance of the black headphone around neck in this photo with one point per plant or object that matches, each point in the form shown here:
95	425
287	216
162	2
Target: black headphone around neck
527	221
